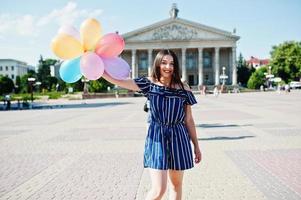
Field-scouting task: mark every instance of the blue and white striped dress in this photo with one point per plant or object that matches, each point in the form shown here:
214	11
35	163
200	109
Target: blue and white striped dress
167	144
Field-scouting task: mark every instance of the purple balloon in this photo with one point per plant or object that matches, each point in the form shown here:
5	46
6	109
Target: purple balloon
91	66
117	67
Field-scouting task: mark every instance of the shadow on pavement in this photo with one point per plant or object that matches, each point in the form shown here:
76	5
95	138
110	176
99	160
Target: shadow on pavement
220	125
82	105
38	106
226	138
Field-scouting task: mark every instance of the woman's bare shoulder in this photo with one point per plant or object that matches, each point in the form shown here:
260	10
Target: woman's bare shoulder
186	87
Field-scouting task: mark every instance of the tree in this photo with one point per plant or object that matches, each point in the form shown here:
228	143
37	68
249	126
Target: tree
99	85
18	84
286	61
243	72
6	85
44	73
257	78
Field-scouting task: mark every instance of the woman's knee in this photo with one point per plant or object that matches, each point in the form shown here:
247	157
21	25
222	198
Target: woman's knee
158	192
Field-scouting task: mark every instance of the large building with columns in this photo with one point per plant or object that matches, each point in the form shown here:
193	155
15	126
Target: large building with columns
204	52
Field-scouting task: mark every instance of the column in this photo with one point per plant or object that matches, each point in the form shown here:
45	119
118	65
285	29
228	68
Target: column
230	66
133	63
234	70
150	61
216	68
201	76
184	74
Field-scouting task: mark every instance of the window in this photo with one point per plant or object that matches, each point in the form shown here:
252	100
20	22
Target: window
143	64
1	68
6	68
12	68
191	61
207	59
13	76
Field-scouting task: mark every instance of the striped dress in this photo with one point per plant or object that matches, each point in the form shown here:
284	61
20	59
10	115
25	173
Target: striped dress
167	144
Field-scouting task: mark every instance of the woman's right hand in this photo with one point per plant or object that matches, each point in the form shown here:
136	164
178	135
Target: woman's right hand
127	83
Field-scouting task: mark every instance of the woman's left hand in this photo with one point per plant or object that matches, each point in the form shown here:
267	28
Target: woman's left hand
198	155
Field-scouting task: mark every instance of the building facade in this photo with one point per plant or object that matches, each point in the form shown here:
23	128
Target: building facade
204	52
13	68
256	62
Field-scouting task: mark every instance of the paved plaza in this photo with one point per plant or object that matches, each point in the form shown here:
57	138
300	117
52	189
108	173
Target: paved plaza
93	149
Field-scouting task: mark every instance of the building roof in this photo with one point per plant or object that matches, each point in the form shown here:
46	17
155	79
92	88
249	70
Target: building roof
13	60
187	24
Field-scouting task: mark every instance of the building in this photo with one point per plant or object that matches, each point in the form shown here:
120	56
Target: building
202	50
256	62
13	68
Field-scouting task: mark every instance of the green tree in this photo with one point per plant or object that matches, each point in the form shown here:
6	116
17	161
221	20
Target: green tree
99	85
24	85
286	61
243	71
6	85
44	73
18	84
257	78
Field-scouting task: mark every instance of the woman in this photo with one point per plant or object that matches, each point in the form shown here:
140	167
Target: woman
167	148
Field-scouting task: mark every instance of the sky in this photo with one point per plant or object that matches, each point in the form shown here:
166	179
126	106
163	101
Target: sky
27	27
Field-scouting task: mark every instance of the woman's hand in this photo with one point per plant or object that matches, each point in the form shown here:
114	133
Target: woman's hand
197	155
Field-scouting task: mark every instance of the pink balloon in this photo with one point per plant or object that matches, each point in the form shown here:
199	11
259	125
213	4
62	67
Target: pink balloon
117	67
110	45
91	66
69	30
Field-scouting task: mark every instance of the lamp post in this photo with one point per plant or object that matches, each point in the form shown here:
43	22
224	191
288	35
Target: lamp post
223	76
269	76
31	80
85	81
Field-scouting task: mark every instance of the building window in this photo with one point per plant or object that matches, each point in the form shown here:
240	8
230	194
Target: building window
12	68
1	68
6	68
143	61
13	76
191	61
207	59
206	78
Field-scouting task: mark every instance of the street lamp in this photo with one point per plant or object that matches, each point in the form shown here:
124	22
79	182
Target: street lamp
31	80
223	76
269	77
85	81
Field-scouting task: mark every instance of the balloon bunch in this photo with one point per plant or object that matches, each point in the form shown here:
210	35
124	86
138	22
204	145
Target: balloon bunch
88	53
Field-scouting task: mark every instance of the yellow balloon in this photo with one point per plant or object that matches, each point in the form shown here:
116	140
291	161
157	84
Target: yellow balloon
66	46
90	33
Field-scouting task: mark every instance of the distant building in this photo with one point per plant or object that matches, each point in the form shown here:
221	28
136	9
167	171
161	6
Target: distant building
256	62
13	68
202	50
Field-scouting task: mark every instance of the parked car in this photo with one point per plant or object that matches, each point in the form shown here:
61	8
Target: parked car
295	85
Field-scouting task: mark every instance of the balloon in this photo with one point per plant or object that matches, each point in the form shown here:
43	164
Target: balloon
69	30
70	70
90	32
66	46
110	45
117	67
91	66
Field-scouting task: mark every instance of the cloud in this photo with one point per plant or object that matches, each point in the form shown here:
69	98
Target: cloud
28	25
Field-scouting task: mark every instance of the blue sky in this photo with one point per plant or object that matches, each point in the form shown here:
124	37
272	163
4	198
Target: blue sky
27	27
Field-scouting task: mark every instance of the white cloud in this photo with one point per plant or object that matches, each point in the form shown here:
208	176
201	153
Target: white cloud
28	25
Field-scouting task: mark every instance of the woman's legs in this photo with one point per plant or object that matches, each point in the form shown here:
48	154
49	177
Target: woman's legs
159	182
175	179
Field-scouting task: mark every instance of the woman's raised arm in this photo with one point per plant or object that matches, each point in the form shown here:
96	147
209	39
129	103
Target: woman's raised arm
127	83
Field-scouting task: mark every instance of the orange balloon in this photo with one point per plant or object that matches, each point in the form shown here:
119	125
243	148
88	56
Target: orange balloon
90	33
66	47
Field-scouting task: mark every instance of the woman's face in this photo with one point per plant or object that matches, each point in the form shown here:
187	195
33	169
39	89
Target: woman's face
167	66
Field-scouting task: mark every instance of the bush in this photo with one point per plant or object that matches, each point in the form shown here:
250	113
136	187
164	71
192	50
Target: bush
257	78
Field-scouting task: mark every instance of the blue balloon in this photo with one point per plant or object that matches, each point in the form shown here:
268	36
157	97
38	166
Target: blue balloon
70	70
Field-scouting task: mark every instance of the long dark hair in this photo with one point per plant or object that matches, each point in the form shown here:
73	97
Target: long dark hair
156	75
